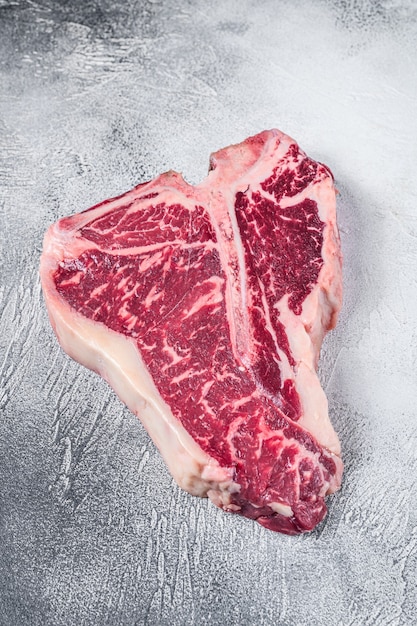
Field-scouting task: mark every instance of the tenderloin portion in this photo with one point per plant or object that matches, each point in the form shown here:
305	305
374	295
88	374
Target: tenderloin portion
204	307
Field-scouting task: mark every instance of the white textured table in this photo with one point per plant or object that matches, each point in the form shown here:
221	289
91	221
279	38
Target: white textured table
96	97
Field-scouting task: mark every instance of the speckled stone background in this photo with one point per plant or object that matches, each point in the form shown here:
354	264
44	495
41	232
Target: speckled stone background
97	96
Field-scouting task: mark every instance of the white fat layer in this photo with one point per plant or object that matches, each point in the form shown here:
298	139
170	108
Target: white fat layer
282	509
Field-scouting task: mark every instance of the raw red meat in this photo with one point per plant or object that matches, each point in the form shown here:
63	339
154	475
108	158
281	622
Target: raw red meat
205	308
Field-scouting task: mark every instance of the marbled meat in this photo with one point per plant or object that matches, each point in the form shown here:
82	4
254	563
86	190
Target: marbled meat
204	307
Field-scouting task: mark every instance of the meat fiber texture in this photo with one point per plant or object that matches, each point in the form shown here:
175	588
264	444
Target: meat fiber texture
204	307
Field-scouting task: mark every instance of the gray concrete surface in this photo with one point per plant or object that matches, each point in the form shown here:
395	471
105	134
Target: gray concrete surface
98	96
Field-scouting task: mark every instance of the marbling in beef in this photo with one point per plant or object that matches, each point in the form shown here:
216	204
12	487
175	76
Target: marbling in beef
205	307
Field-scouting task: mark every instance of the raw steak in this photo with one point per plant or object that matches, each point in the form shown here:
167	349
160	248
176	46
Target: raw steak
204	307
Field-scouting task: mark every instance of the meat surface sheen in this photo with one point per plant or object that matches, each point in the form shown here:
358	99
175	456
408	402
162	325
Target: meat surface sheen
205	307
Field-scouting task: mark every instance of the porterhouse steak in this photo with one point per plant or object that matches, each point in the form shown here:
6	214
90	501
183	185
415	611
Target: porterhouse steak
205	307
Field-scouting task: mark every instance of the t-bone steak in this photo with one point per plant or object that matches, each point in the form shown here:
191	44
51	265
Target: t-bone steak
204	307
